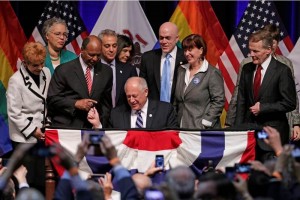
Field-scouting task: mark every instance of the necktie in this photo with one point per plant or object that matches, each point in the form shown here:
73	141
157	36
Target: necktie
88	79
139	119
165	89
256	82
114	89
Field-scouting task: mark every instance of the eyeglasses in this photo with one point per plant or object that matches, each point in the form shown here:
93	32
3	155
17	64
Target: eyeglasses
59	35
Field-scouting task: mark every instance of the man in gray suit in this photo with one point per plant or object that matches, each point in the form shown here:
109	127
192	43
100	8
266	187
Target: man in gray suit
294	116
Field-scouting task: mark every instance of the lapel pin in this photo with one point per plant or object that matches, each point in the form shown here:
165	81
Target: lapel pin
150	115
121	71
196	80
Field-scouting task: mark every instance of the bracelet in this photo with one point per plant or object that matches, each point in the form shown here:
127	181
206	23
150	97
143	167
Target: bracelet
114	161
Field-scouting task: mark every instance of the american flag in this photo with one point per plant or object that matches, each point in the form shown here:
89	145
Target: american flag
67	11
256	16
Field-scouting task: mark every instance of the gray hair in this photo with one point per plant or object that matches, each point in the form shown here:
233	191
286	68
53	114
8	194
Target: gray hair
141	82
107	32
50	22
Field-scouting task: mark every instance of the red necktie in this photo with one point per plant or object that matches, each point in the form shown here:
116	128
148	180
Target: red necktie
256	83
88	79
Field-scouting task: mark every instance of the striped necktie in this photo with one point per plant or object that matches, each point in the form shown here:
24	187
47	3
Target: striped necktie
88	79
139	119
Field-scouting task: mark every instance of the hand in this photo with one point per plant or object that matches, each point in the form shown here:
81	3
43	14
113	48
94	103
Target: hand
255	109
258	166
85	104
273	139
20	174
108	149
94	118
296	133
152	170
107	185
38	134
82	148
65	158
283	159
242	187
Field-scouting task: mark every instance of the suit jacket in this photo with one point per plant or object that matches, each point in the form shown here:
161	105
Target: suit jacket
123	72
26	104
150	70
68	85
160	115
293	117
202	101
277	96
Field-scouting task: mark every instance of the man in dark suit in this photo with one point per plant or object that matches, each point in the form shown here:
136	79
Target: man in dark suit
265	104
71	96
152	61
121	71
154	114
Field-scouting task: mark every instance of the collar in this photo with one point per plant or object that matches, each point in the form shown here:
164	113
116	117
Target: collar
111	64
203	68
266	63
172	53
144	108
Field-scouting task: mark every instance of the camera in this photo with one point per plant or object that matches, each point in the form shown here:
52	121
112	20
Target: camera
95	177
230	173
262	134
296	154
95	139
242	167
159	161
153	194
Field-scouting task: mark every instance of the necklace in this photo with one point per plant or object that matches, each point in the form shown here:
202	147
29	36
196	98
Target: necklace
54	59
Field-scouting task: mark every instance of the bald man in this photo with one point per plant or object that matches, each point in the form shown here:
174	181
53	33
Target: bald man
153	61
71	96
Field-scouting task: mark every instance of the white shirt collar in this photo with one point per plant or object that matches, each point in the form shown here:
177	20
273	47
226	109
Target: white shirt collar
202	69
172	53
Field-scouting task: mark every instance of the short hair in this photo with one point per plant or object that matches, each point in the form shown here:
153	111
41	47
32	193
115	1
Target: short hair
182	180
264	36
141	82
123	42
50	22
33	51
273	30
194	40
107	32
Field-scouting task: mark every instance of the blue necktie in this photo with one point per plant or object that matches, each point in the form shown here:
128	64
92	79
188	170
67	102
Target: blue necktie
165	89
139	119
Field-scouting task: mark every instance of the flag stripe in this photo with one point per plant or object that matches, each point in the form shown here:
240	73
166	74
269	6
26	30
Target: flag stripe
143	140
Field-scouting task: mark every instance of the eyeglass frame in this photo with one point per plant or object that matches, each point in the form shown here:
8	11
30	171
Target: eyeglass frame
59	34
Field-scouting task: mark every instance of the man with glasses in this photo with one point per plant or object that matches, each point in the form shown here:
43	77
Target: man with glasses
79	85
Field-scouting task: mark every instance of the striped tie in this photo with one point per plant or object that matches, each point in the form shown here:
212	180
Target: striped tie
88	79
139	119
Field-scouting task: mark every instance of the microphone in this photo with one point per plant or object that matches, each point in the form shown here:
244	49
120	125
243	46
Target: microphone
44	78
26	78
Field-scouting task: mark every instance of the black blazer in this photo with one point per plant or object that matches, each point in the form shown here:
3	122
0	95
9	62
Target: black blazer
150	70
68	85
277	96
160	115
123	72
